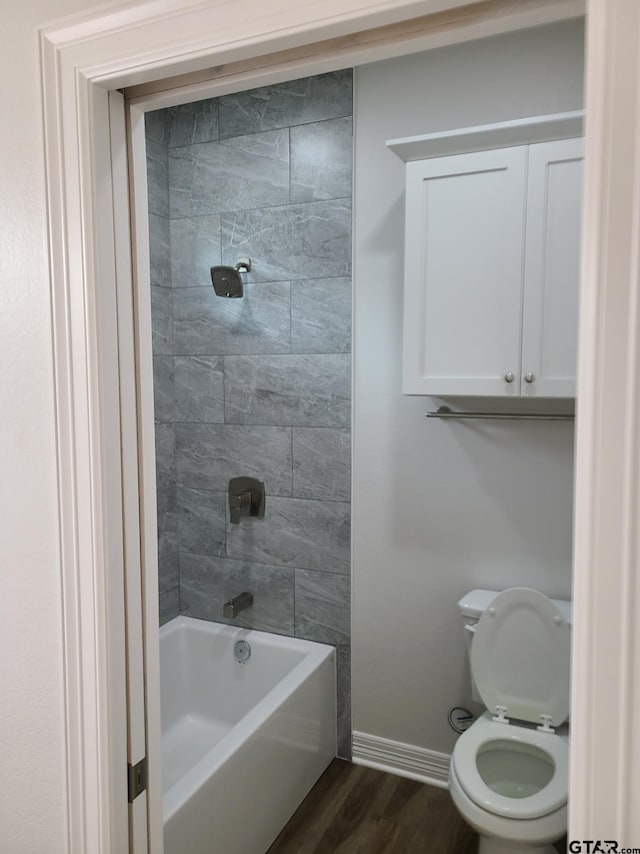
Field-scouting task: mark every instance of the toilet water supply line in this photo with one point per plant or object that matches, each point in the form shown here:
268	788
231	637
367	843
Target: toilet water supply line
460	719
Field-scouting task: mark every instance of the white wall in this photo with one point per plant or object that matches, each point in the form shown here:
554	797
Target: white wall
438	507
32	783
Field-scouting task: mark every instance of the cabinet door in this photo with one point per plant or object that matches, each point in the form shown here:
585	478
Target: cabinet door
552	269
464	273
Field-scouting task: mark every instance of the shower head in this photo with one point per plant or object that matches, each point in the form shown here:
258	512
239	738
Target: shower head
227	281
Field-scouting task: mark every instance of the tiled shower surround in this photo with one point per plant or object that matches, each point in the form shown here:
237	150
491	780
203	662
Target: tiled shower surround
256	386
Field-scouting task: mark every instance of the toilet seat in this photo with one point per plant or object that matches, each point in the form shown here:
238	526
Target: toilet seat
520	658
550	798
520	834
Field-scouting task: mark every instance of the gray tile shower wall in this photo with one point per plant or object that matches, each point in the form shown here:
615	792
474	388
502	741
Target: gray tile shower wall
157	137
257	386
290	242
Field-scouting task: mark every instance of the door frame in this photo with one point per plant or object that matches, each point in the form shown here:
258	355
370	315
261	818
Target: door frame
250	43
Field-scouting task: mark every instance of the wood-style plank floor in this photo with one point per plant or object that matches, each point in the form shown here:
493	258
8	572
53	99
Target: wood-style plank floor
356	810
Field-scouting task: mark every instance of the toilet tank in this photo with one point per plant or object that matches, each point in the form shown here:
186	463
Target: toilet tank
473	605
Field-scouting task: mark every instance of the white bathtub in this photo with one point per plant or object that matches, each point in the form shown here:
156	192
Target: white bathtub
242	744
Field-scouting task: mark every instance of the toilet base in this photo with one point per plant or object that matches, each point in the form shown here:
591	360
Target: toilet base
491	845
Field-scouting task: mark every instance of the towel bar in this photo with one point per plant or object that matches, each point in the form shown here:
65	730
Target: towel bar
445	412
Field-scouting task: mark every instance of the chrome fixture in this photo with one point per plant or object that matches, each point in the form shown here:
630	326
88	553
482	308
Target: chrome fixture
529	377
242	651
445	413
246	498
509	377
227	281
233	607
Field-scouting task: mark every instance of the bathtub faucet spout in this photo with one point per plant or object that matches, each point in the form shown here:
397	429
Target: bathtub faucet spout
234	606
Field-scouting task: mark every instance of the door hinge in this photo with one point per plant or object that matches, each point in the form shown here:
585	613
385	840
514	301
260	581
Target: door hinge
137	777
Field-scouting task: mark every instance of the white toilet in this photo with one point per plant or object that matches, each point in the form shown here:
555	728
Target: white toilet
509	771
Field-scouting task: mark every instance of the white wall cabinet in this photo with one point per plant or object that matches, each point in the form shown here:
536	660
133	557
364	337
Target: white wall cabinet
492	267
552	269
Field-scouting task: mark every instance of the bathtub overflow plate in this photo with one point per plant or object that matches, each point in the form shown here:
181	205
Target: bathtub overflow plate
242	651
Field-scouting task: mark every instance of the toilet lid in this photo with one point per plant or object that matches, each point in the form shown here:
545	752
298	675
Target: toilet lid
520	656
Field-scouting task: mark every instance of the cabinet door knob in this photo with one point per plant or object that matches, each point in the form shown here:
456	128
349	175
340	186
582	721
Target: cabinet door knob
529	377
509	377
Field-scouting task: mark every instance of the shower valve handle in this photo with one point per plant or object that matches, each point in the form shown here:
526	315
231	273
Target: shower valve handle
246	498
239	505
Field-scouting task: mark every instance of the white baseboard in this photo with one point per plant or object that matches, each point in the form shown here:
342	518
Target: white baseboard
406	760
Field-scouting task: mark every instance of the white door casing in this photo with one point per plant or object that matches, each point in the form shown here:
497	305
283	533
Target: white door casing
84	58
605	743
131	333
146	471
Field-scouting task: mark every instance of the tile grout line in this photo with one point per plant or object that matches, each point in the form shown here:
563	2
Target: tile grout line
285	567
253	209
290	157
290	280
173	467
321	121
253	355
276	496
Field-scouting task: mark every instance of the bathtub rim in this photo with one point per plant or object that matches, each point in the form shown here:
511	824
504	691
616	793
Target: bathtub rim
315	654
